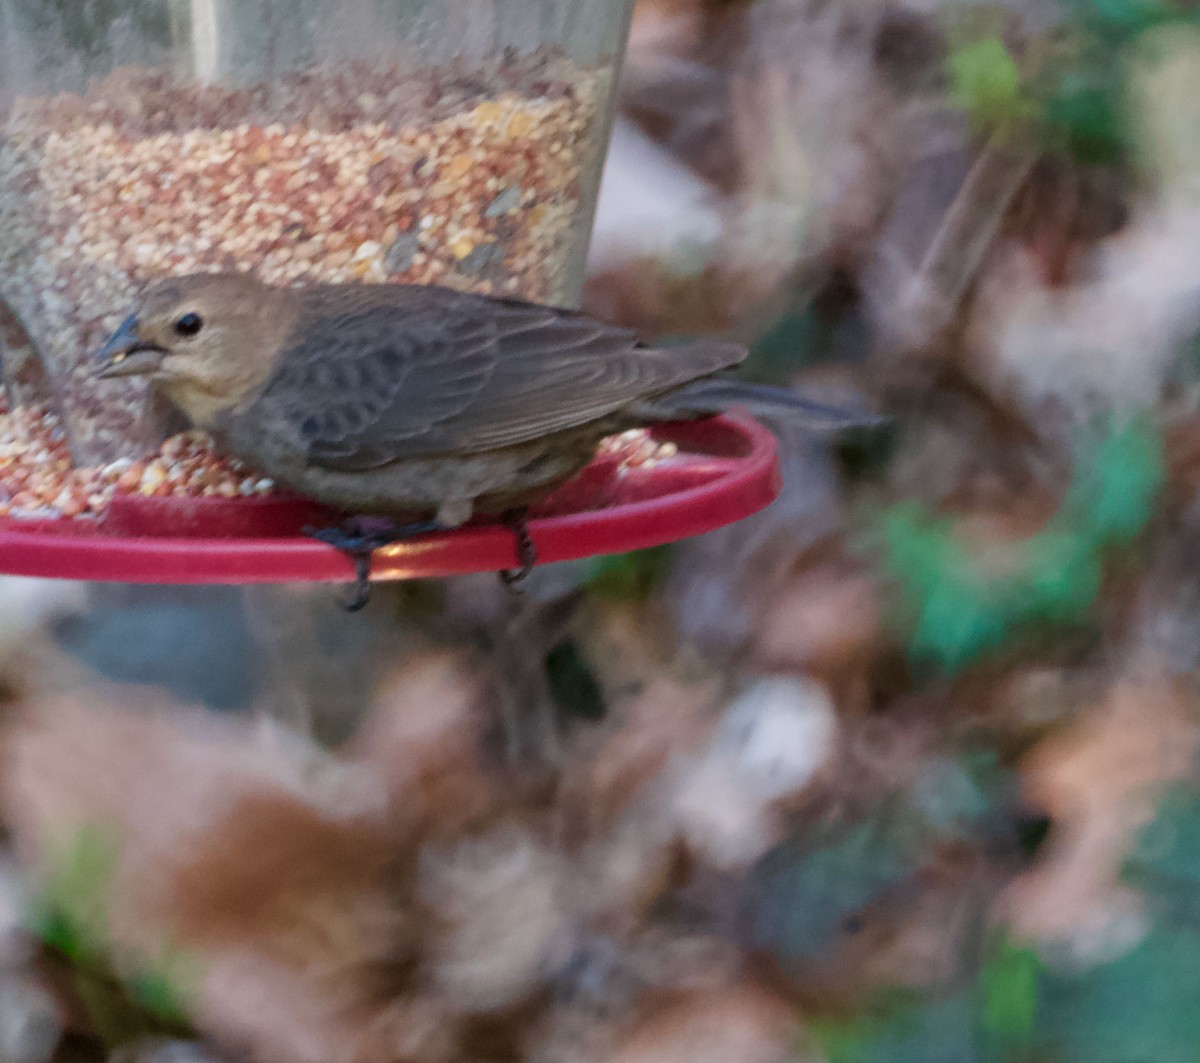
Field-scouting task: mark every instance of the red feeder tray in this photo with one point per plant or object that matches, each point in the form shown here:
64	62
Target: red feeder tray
725	469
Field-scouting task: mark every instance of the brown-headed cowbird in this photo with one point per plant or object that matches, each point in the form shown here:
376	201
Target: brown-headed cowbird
415	402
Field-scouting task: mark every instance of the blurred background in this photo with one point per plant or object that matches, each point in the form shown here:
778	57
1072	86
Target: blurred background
901	769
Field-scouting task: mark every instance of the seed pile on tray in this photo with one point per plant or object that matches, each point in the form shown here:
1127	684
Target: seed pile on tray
37	480
637	449
471	178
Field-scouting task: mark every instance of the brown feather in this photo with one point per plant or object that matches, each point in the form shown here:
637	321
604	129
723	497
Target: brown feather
373	375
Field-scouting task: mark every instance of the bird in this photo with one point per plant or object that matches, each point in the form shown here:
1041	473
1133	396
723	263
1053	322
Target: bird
416	403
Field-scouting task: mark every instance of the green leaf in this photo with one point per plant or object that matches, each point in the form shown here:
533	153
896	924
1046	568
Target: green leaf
71	913
162	989
1061	578
59	933
1117	21
1082	115
957	610
1009	990
629	576
986	82
1117	484
956	614
71	919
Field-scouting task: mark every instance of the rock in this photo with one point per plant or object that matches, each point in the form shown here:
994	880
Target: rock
770	744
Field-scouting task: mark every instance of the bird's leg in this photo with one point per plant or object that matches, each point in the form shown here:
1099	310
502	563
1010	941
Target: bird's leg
517	521
359	540
362	582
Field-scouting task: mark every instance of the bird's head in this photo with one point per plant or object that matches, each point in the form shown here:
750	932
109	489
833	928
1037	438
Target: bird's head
208	341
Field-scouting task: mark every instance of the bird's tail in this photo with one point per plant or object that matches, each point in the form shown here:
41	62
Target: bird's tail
718	394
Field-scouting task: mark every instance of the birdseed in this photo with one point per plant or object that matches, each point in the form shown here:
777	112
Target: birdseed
477	179
637	449
38	481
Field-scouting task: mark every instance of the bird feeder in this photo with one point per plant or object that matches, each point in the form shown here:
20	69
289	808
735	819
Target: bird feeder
457	142
638	493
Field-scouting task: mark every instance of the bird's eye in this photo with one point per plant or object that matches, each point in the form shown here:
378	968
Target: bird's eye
189	324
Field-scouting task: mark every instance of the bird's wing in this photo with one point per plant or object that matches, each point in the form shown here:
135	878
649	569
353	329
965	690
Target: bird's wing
431	371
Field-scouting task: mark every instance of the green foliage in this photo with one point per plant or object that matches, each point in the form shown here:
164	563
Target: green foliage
939	1032
630	576
1072	85
161	989
993	1021
1116	22
1139	1007
1116	485
70	919
1008	998
1082	114
1083	90
960	606
957	612
986	83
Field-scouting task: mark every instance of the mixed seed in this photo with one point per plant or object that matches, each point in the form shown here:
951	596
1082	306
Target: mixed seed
38	481
474	179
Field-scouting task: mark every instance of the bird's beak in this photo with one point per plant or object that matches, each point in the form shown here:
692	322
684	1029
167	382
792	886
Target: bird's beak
125	354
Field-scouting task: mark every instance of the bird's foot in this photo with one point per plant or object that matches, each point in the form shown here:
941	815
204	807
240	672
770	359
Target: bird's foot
358	539
517	521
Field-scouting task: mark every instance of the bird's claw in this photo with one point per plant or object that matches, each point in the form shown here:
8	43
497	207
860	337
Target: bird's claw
359	546
516	519
362	583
